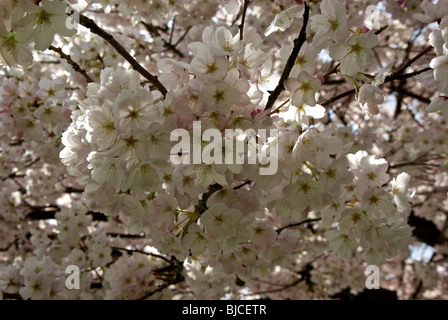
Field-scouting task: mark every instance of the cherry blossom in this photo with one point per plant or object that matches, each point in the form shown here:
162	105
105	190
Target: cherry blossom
222	149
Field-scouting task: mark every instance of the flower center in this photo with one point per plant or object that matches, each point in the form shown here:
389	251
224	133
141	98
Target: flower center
355	49
43	18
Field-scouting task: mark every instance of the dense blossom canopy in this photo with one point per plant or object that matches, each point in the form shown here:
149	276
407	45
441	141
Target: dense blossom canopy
340	109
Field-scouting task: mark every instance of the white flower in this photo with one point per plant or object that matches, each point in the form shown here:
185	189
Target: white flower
355	54
36	288
208	174
218	96
304	192
141	178
341	243
378	204
306	59
267	80
251	61
102	126
220	221
77	257
370	171
231	6
438	104
369	97
221	41
439	40
104	168
49	114
51	89
303	89
335	176
329	25
135	109
440	66
13	49
354	220
194	240
400	190
205	65
433	11
262	234
175	74
301	114
43	22
100	255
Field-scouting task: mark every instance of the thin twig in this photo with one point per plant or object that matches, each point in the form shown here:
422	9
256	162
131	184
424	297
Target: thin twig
388	79
414	95
277	110
172	29
297	224
409	62
154	31
94	28
182	37
242	185
143	252
70	61
298	43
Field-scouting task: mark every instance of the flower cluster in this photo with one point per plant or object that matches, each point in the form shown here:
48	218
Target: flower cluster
207	149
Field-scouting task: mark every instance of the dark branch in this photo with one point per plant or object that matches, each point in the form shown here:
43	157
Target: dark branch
298	43
388	79
130	251
297	224
241	26
70	61
94	28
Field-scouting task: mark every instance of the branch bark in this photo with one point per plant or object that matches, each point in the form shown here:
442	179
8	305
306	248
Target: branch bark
298	43
94	28
243	19
297	224
70	61
388	79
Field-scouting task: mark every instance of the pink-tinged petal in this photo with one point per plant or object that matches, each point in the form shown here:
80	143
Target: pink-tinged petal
349	66
317	112
60	25
24	57
43	36
338	51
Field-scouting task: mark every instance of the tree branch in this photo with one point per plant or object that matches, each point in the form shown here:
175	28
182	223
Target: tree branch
241	26
94	28
130	251
167	44
297	224
70	61
414	95
410	62
298	43
388	79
